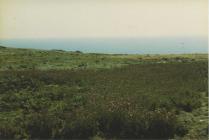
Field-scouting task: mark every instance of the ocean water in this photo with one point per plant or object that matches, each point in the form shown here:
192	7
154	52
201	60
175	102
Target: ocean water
115	46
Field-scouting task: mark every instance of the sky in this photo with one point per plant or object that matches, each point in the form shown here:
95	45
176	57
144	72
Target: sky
103	18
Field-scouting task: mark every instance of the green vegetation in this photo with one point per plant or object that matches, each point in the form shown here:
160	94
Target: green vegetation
63	95
23	59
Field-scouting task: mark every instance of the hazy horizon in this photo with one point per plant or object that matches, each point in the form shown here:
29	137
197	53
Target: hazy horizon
106	26
164	45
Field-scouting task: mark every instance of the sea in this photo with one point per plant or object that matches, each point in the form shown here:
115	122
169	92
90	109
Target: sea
164	45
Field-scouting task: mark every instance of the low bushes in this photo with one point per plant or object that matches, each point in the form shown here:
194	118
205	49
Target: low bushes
138	101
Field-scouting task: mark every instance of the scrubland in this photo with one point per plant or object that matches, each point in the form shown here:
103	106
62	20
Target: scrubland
72	95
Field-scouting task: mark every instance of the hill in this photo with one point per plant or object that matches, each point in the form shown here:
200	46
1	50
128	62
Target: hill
71	95
13	58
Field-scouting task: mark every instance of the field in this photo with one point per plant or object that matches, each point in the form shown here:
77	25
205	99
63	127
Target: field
72	95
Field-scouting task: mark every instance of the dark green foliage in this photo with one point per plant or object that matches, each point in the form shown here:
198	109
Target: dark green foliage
137	101
2	47
184	103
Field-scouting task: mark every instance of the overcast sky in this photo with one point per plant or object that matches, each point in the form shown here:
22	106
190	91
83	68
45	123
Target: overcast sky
102	18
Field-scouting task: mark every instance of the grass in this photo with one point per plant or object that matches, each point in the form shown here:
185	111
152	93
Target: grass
111	97
20	59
